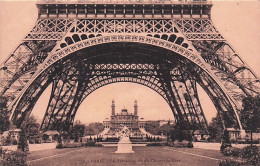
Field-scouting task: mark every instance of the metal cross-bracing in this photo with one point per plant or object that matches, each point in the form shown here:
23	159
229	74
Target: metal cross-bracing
168	46
64	91
198	29
29	100
236	75
188	99
21	65
89	69
49	29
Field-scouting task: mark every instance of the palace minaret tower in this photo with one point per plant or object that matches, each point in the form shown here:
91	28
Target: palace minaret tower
113	107
136	108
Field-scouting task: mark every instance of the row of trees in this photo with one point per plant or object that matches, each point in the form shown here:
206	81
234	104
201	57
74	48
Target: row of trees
172	131
154	128
79	129
93	128
250	117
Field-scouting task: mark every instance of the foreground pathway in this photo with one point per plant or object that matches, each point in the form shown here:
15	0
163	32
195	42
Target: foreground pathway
105	156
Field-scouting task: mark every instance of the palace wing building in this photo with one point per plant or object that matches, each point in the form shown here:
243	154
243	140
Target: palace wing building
124	118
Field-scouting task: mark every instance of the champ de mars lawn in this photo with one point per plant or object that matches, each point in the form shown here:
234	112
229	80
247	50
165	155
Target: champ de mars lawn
106	156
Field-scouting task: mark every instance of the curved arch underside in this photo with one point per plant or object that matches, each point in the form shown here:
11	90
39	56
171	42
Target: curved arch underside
172	76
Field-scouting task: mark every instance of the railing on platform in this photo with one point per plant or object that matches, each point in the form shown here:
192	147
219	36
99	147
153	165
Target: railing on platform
123	2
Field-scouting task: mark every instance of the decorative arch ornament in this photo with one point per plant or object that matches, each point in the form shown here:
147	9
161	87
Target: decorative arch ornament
188	33
164	89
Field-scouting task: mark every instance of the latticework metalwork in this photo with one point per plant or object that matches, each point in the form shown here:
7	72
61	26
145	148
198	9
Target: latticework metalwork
170	47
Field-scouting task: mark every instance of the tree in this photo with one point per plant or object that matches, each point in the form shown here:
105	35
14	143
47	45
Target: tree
250	114
77	131
94	128
166	128
22	143
225	141
216	128
59	145
4	115
32	128
153	127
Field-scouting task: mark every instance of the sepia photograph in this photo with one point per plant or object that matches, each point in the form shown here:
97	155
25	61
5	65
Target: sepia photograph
129	82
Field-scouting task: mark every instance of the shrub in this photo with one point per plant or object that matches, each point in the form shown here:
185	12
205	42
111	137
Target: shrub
227	151
59	146
93	144
38	141
248	151
136	139
254	161
231	151
14	142
190	144
170	143
14	158
249	156
232	162
224	146
236	152
252	154
31	141
113	139
155	144
180	144
7	141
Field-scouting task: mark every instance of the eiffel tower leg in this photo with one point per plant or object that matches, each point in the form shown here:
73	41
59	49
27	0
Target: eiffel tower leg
66	96
78	97
190	94
190	103
77	102
179	112
24	108
193	97
218	98
59	33
61	100
20	66
178	95
237	77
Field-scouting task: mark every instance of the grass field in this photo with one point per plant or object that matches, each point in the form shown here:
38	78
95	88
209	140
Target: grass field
145	156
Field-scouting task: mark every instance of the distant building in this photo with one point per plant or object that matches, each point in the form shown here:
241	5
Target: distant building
199	135
50	136
15	134
234	134
162	122
135	125
11	135
124	118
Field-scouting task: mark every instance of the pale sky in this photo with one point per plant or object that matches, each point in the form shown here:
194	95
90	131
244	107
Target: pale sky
237	21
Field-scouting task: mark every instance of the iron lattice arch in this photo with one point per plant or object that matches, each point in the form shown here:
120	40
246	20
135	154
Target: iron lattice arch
170	47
